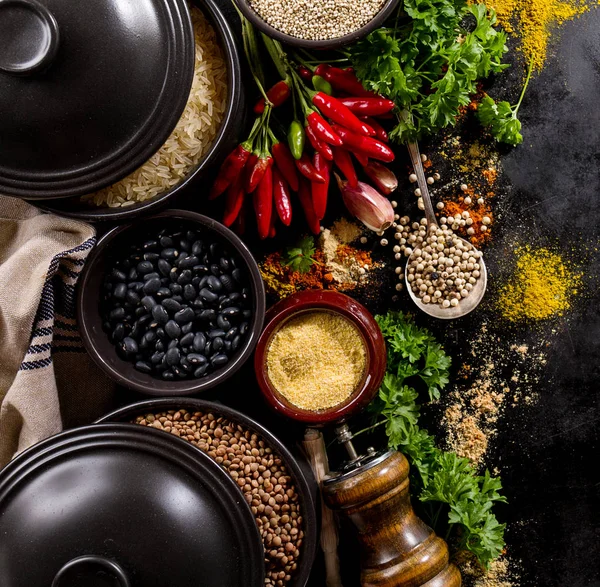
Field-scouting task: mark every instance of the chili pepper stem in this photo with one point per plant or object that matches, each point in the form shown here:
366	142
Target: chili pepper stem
301	88
251	51
277	55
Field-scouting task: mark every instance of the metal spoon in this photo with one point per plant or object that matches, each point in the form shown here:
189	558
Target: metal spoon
467	304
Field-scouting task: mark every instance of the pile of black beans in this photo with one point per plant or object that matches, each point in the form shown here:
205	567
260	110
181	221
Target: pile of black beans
177	304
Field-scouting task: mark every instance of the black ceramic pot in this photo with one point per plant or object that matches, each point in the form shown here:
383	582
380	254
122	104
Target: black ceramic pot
103	351
88	93
119	506
224	141
298	469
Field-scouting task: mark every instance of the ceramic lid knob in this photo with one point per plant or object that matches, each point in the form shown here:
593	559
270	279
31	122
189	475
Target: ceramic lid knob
92	571
30	37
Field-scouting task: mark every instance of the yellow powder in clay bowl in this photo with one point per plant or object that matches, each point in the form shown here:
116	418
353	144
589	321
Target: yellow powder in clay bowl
316	360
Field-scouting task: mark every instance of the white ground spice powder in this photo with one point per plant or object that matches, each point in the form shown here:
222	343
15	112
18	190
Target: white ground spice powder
316	360
317	19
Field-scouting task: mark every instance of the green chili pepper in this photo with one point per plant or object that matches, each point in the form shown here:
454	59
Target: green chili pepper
322	85
296	138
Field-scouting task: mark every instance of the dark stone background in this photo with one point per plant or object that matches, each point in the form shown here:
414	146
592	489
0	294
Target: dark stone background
547	452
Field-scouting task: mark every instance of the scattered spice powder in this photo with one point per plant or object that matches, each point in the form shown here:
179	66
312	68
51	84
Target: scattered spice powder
338	264
345	263
470	172
505	376
502	572
316	360
477	213
534	21
282	281
541	287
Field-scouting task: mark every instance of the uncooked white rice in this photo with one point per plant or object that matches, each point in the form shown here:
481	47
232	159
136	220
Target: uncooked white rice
193	134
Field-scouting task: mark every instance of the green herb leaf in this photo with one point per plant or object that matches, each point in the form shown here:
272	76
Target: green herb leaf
464	498
300	257
429	64
501	120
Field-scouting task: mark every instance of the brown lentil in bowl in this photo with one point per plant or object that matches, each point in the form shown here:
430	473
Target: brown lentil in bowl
260	474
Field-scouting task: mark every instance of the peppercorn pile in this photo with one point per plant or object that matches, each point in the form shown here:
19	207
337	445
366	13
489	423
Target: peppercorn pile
443	269
339	130
176	304
259	473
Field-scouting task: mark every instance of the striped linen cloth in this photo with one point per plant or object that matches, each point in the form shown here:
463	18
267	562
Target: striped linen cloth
45	375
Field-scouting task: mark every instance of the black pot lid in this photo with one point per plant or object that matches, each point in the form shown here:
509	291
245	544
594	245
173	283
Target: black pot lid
89	91
115	505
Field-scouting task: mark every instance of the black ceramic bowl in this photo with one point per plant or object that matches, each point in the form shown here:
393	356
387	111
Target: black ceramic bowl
222	144
267	29
302	476
102	350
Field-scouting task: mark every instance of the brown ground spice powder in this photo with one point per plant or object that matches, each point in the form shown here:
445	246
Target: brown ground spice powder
502	572
316	360
477	405
338	264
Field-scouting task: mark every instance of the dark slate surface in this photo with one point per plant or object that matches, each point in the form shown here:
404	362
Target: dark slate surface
546	453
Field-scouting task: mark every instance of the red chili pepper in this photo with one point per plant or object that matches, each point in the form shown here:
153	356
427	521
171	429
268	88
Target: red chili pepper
272	231
361	158
281	195
305	73
230	169
368	106
323	130
257	173
263	203
234	201
370	147
277	95
319	190
321	69
286	164
306	168
380	132
335	110
240	223
249	168
344	80
318	145
305	197
342	159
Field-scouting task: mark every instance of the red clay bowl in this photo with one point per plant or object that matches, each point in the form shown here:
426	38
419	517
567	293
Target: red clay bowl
357	314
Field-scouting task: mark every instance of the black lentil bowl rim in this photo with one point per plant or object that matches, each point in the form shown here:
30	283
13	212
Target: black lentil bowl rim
336	43
103	351
302	479
222	143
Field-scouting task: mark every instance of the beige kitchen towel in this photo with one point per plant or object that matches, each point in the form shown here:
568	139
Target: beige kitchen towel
41	257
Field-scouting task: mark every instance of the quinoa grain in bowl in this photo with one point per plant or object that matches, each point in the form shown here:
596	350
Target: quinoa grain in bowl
194	134
317	20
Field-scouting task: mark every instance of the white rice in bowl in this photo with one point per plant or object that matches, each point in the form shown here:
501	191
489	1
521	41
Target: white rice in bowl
193	135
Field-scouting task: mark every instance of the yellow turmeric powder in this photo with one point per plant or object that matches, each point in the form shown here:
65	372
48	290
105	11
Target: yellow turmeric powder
541	287
535	20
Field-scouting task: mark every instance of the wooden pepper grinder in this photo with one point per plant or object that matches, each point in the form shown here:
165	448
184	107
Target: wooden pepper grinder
397	548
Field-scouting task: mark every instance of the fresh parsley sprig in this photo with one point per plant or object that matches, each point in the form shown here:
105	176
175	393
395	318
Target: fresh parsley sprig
501	118
457	502
430	62
300	257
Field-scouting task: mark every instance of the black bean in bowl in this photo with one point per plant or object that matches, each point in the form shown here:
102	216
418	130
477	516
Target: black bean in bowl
177	304
179	301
